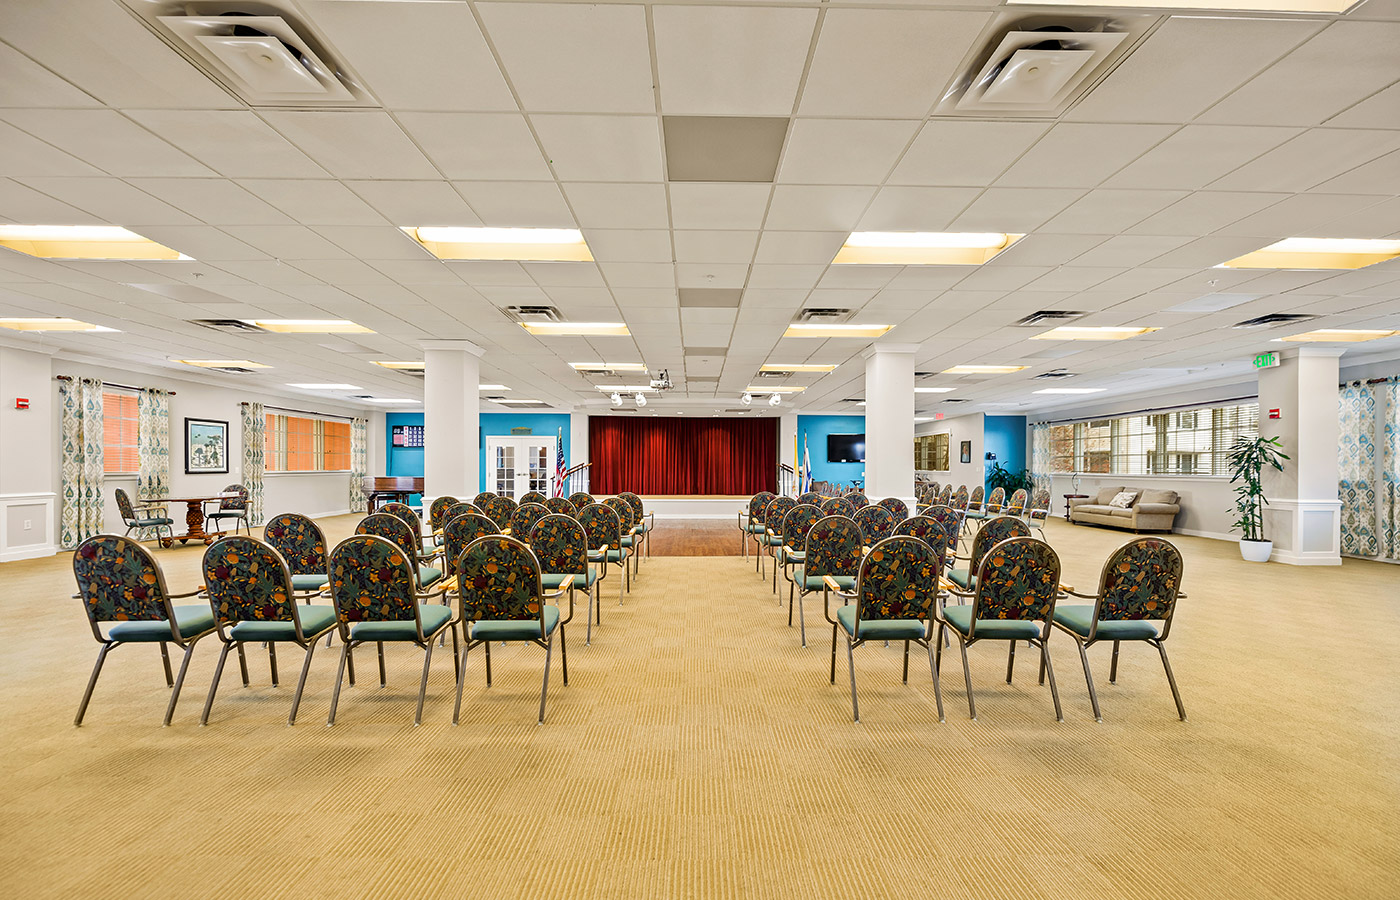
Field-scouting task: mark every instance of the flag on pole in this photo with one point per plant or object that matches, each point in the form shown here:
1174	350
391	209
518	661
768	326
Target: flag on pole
560	467
796	469
806	466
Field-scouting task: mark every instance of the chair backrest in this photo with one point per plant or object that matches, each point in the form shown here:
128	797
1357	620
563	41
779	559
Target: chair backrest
533	497
236	503
1017	504
951	520
995	500
758	504
1040	503
811	497
119	580
876	523
897	507
438	511
777	508
248	581
993	532
898	580
976	501
561	545
625	517
857	499
124	506
481	498
959	498
635	501
499	578
372	580
580	499
497	508
404	513
560	505
834	547
391	528
603	526
460	508
838	506
798	521
1140	580
461	531
945	496
1019	579
522	521
929	530
300	542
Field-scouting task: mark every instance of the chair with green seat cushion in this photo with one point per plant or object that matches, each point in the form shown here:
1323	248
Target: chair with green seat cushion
1039	509
561	545
481	498
252	599
461	531
897	508
1139	585
772	537
120	582
947	521
415	525
838	506
627	522
958	500
300	542
395	529
996	530
374	590
533	497
498	509
876	523
810	497
503	599
1018	581
798	521
522	521
1016	506
995	501
945	496
896	599
751	522
857	499
580	499
437	516
233	507
560	505
604	531
833	547
645	521
143	516
930	531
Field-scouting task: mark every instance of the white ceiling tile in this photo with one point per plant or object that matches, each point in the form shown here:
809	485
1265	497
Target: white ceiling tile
573	58
721	206
1128	250
24	82
416	202
1081	155
629	245
1001	278
843	151
204	242
23	154
864	276
416	272
653	297
618	205
886	62
916	208
1381	176
784	277
926	278
706	335
448	68
564	274
111	200
1344	64
478	145
1067	278
1047	249
952	152
1309	159
1110	211
1197	155
1380	110
236	144
711	275
212	200
817	208
1204	212
266	271
313	202
517	204
287	241
1297	216
1379	221
732	61
715	246
342	271
24	205
353	144
372	241
640	275
602	148
107	140
1207	251
1013	210
799	247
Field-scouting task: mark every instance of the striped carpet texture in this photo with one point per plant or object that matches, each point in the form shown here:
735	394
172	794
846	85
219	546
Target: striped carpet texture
700	752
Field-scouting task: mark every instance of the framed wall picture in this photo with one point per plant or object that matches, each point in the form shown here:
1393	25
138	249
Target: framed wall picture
965	452
206	447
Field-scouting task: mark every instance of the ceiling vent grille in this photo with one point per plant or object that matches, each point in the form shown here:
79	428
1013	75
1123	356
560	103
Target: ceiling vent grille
1273	320
1050	316
534	314
956	400
232	370
266	56
1057	373
1038	65
600	372
230	326
771	373
823	314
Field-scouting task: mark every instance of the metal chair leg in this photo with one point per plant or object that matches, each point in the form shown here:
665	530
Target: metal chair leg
967	679
242	664
937	691
802	618
383	679
272	660
339	676
1088	679
544	687
423	685
165	661
905	677
588	619
462	674
214	685
487	645
92	683
301	683
851	661
564	654
1171	679
1011	661
179	683
1050	671
1113	669
833	654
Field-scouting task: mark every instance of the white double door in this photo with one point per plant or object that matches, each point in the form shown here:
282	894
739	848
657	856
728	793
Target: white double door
519	464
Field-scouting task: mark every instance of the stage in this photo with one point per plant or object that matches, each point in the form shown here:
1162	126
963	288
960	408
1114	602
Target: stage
695	506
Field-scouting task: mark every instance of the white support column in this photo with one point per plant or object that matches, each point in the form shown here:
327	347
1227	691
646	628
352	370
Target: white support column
451	419
578	440
889	422
787	440
1303	517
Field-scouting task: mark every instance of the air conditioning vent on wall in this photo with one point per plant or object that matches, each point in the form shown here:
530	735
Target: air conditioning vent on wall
230	326
1273	320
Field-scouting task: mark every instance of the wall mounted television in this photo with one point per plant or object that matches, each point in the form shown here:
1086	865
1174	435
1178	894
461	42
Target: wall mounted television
845	448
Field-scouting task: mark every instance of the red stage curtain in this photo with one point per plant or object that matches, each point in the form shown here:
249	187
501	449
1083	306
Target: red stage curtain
657	456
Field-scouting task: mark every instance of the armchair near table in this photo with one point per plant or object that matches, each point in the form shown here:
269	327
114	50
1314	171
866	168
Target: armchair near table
234	507
143	516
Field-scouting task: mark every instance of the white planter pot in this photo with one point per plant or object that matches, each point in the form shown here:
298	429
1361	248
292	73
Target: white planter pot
1256	551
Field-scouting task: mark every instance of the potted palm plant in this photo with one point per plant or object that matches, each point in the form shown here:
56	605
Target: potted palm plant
1247	458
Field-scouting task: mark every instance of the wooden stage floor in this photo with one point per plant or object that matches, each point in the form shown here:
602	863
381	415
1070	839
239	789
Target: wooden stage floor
695	537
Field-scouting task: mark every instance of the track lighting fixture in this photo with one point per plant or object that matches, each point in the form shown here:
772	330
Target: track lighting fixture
616	398
746	399
640	398
775	399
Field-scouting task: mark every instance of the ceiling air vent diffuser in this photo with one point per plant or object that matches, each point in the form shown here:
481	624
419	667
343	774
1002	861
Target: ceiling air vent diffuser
823	315
1273	320
230	326
772	373
1050	316
1057	373
534	314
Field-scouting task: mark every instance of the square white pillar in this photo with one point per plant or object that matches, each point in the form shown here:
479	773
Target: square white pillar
451	419
889	422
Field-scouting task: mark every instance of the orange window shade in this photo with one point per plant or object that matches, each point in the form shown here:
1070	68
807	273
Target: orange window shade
119	427
301	445
337	446
272	462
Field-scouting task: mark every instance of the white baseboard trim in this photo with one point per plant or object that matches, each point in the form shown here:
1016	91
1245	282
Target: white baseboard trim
1213	535
1288	557
32	552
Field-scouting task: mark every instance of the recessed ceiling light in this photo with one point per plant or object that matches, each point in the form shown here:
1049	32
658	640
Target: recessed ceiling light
1070	391
799	367
50	323
922	248
624	388
554	329
933	390
223	363
492	387
782	389
1090	333
1287	6
811	330
327	387
309	326
403	365
614	367
83	242
514	402
919	420
1317	253
388	400
537	244
982	370
1341	335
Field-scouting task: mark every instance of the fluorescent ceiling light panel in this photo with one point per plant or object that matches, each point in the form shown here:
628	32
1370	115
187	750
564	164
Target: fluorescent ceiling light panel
388	400
624	388
781	389
401	365
922	248
1287	6
327	387
982	370
492	387
50	323
1341	335
223	363
310	326
1090	333
933	390
613	367
1070	391
82	242
800	367
514	402
1317	253
814	330
534	244
553	329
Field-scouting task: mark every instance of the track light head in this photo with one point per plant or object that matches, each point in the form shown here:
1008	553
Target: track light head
640	398
774	399
616	398
746	399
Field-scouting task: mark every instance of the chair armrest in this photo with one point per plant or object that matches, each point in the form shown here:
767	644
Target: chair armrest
1073	593
564	585
835	588
1157	509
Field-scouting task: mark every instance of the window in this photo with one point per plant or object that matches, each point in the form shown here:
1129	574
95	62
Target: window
119	424
304	444
931	453
1185	442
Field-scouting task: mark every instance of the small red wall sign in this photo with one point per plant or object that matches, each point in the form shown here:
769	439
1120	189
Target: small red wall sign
21	403
1274	414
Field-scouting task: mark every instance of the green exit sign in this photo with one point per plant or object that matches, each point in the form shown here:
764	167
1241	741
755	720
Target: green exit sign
1266	360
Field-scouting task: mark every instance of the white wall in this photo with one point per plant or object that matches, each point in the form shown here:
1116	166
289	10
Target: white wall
959	429
28	461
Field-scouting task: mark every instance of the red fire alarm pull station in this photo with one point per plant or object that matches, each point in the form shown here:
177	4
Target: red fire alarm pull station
1274	414
21	403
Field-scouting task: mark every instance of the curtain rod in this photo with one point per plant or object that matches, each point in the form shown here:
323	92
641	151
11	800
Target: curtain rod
304	412
1143	412
1369	381
125	387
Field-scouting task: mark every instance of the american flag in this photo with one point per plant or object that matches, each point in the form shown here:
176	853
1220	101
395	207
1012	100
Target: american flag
560	467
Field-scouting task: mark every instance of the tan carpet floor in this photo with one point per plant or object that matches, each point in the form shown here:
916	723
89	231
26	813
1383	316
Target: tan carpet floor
700	752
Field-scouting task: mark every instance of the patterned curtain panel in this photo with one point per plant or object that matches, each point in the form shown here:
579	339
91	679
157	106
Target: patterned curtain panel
1356	464
1390	470
1040	455
80	402
254	458
152	448
359	463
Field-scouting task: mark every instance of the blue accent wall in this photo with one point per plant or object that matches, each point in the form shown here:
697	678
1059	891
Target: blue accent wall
1006	437
408	461
813	431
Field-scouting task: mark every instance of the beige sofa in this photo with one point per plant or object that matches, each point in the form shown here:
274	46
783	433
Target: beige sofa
1151	510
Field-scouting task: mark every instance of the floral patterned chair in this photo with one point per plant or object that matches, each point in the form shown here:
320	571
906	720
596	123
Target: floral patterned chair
522	521
235	508
1140	584
996	530
810	497
481	499
751	525
1016	506
945	496
143	517
533	497
1039	510
896	599
392	528
496	508
376	601
410	518
833	548
798	521
1018	582
627	521
930	531
604	530
461	531
951	519
302	544
560	505
876	523
120	582
897	507
580	499
503	599
253	600
839	506
858	500
437	515
645	522
561	546
460	508
772	537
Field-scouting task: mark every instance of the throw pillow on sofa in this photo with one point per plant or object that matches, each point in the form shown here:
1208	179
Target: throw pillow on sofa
1123	499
